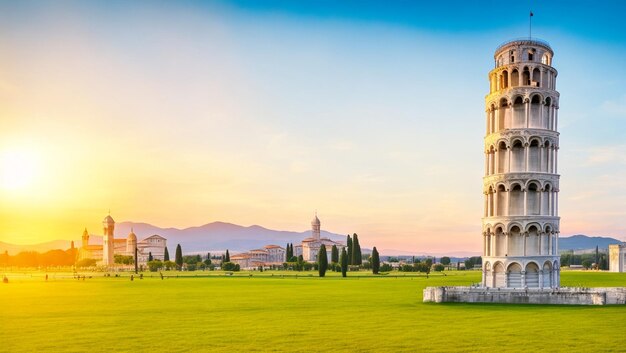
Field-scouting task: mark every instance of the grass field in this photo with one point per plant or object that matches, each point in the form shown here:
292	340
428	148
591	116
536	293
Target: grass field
304	314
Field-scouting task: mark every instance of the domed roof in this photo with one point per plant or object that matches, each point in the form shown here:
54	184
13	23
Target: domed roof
132	235
108	220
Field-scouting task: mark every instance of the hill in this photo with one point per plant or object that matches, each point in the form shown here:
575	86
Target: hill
579	242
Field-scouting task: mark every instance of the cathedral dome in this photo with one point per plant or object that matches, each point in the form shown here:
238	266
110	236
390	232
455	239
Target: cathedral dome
132	236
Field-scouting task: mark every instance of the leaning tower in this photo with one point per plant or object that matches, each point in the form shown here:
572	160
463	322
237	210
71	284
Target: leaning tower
520	222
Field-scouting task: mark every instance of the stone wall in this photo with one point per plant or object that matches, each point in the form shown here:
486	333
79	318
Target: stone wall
560	296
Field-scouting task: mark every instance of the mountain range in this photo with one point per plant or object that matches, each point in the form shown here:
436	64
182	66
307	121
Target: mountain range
219	236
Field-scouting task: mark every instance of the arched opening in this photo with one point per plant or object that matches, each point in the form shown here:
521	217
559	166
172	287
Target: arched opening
532	201
517	154
536	79
532	275
532	241
516	201
504	79
514	78
502	157
514	276
546	154
545	59
526	77
516	242
534	156
519	113
545	243
502	111
501	201
535	112
499	275
545	200
500	242
547	114
547	274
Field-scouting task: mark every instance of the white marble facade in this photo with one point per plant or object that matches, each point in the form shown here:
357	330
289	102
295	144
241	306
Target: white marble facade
521	185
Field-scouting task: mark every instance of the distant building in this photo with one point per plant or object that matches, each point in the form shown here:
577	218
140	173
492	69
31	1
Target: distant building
617	257
267	256
104	254
311	246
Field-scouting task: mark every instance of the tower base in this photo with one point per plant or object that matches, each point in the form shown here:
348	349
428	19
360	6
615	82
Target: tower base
552	296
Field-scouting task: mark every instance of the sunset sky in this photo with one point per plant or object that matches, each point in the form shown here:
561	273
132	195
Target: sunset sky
184	113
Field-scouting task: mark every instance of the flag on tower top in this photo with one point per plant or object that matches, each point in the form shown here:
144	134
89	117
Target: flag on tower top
531	14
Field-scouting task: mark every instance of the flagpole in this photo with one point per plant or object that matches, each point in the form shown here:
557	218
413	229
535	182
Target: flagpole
530	25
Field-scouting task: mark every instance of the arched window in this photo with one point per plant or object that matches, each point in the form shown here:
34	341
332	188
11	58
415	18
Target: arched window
547	114
514	78
504	106
545	200
519	113
516	201
514	276
501	201
502	157
500	242
532	275
504	79
516	242
532	241
536	80
535	111
526	77
532	199
517	154
534	157
545	59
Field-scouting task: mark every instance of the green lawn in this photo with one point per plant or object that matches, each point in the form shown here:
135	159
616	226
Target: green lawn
304	314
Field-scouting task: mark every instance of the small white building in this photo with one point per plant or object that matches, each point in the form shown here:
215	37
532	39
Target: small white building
617	257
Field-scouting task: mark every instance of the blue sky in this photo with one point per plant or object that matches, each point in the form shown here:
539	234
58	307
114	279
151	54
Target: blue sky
182	113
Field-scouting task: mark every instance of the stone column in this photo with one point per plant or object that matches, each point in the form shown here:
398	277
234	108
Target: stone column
540	244
509	154
506	243
541	278
527	113
523	279
526	156
496	211
525	202
507	201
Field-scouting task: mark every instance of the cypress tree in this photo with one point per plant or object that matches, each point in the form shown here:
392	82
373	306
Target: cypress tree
334	254
287	252
166	255
375	261
150	256
349	249
356	250
227	257
322	261
344	262
178	257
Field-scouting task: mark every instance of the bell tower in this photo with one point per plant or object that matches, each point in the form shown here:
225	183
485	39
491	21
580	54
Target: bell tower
521	221
107	241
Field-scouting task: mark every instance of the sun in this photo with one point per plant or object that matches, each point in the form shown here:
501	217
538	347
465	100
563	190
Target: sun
18	169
